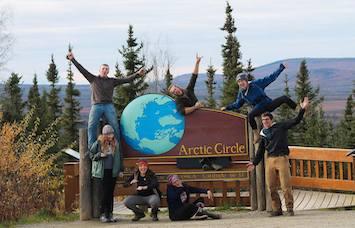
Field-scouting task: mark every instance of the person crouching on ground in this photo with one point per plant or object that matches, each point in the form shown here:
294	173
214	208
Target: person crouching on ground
178	195
148	193
106	166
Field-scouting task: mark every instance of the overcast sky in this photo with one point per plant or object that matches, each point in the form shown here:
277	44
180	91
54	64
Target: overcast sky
267	31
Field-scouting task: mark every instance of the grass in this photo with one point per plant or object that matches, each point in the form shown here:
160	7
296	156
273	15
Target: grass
42	217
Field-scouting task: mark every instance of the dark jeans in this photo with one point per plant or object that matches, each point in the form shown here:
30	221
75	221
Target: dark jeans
107	187
186	211
269	108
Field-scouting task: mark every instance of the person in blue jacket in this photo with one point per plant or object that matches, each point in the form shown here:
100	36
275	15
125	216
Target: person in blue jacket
253	93
180	207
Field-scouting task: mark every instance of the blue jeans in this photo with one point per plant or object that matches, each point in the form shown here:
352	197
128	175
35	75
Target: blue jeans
97	111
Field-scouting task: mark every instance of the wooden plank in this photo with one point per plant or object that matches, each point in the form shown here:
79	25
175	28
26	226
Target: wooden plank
301	168
317	168
305	201
341	200
293	165
348	164
348	200
325	175
312	201
309	170
328	197
319	201
341	174
319	154
320	183
333	170
299	200
333	201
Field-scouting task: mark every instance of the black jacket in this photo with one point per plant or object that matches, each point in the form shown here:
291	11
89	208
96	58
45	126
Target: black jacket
188	99
150	180
274	139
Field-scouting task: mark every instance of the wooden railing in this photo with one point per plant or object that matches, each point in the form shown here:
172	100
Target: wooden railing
322	168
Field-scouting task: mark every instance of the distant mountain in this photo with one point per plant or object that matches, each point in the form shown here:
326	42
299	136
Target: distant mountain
334	76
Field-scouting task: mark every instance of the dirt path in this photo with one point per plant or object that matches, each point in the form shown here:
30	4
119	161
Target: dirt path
312	219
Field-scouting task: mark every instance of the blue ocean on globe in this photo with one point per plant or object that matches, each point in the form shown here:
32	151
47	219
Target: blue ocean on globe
151	124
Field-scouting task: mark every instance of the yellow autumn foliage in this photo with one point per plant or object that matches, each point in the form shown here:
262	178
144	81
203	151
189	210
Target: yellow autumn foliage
28	179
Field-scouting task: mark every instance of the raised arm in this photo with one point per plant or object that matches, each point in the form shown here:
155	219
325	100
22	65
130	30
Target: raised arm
264	82
130	78
89	76
293	122
193	79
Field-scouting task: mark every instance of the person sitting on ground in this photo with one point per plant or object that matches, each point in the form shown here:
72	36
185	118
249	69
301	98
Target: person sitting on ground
253	93
148	192
106	166
178	197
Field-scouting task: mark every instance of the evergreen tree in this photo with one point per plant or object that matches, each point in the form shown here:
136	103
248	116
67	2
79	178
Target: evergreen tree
249	70
34	98
132	61
71	114
345	137
54	106
168	78
231	59
119	98
34	102
210	84
314	130
11	102
284	112
44	111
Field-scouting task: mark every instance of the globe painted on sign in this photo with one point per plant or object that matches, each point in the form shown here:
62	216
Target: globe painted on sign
151	124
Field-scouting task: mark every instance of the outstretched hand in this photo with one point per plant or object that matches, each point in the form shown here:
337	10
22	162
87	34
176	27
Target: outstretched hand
250	166
198	58
141	72
305	103
70	55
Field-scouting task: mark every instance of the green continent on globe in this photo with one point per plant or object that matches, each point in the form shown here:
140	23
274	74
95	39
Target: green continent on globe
151	124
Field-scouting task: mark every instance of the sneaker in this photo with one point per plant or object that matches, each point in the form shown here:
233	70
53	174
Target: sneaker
290	213
112	219
137	217
199	217
275	213
104	219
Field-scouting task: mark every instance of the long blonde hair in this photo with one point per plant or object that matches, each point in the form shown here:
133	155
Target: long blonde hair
107	141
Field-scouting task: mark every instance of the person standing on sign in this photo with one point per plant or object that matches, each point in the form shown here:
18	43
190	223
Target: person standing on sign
253	93
106	166
274	140
178	197
102	88
187	103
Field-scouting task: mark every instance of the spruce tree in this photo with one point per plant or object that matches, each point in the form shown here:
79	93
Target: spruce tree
71	114
11	102
210	84
249	70
133	60
54	106
284	112
314	130
119	98
44	111
168	78
231	59
345	137
34	102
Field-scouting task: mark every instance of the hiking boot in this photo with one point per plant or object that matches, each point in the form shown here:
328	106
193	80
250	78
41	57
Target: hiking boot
290	212
275	213
154	215
137	217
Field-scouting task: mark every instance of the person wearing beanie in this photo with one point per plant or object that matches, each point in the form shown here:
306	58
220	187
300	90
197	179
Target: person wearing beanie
147	192
102	88
180	207
106	166
253	93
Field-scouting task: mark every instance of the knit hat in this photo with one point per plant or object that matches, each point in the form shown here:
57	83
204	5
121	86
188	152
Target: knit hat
107	129
172	179
242	76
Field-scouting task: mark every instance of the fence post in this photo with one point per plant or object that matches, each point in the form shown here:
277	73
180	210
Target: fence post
252	174
260	178
84	177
